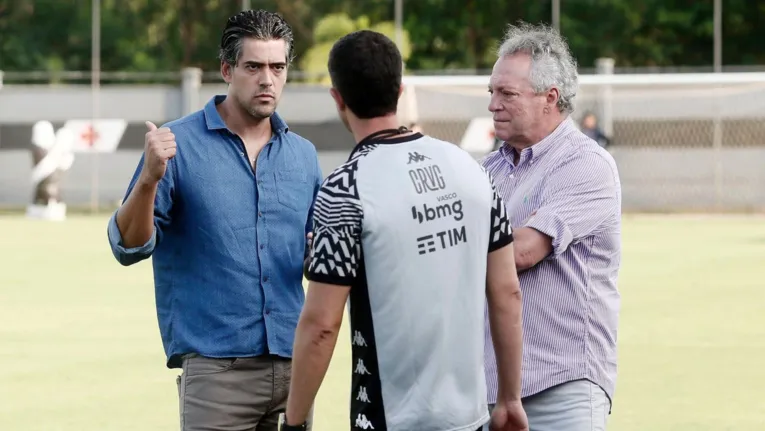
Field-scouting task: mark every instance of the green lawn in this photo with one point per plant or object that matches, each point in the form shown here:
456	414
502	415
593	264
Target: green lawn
80	348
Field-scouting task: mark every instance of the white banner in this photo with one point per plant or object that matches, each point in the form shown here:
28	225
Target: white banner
101	136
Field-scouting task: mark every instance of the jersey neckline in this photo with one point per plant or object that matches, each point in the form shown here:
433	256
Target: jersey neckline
390	140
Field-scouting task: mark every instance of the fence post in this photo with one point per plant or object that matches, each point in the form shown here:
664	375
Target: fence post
605	66
1	79
190	86
717	149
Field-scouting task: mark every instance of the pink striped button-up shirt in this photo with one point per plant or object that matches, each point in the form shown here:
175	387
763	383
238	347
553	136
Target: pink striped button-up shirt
567	187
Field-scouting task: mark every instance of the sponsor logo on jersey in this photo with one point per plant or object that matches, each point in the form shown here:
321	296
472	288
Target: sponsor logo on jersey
441	240
427	213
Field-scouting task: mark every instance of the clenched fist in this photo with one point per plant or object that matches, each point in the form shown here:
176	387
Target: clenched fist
159	147
509	416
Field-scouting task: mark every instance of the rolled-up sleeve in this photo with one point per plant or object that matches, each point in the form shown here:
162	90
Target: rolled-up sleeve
579	196
128	256
163	203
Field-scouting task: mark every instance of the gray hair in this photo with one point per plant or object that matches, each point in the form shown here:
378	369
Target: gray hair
552	65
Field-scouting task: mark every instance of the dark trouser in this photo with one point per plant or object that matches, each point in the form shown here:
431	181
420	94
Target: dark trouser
233	394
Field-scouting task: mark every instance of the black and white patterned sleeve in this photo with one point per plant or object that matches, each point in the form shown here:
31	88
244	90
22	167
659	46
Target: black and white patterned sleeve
500	233
336	248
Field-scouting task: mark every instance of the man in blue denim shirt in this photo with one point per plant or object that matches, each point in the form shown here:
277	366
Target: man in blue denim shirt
222	199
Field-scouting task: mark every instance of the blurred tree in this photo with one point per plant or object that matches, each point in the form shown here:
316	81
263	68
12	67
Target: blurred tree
334	26
153	35
463	34
662	32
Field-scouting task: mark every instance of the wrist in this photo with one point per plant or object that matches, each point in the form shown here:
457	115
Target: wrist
508	399
146	183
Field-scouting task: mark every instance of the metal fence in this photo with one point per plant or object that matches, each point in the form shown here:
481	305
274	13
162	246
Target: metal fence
679	146
685	142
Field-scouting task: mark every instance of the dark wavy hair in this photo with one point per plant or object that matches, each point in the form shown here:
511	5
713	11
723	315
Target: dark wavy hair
258	24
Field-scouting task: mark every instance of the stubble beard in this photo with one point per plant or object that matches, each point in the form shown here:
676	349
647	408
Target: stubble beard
259	111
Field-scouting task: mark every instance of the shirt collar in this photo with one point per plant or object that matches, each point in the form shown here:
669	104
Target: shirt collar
540	148
215	122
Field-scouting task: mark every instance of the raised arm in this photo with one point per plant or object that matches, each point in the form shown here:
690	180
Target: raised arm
134	227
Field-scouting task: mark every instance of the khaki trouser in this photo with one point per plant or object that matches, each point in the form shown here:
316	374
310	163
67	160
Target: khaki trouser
233	394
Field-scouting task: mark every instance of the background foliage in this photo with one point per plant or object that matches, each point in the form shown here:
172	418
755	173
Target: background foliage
165	35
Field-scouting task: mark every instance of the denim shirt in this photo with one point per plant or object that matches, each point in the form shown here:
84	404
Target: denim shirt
229	241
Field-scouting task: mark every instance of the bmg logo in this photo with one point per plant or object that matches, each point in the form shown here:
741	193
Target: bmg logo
427	213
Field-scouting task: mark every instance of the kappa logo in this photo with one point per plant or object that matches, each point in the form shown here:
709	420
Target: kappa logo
363	423
416	157
358	339
362	395
361	368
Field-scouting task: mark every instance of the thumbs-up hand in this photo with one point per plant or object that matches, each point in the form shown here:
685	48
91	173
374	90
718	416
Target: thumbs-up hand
159	147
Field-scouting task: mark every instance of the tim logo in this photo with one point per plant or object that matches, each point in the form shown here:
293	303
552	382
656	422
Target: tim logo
416	157
427	179
445	239
432	213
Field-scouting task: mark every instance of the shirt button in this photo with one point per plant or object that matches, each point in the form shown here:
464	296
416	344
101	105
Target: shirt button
242	153
260	214
265	279
262	246
268	312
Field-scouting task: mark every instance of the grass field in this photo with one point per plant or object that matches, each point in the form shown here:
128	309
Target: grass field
80	349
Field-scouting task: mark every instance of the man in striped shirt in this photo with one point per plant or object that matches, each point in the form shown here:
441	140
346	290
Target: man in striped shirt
563	196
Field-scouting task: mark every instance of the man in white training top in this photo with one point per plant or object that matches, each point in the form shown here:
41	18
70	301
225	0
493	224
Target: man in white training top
412	229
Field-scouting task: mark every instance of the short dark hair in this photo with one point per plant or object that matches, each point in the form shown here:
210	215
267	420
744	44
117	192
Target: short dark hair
365	68
257	24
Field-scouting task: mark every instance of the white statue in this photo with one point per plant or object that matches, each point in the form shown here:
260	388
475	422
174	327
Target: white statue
52	155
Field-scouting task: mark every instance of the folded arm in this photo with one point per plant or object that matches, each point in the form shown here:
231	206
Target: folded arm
578	197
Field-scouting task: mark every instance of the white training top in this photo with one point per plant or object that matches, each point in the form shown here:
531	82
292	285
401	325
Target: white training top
408	223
